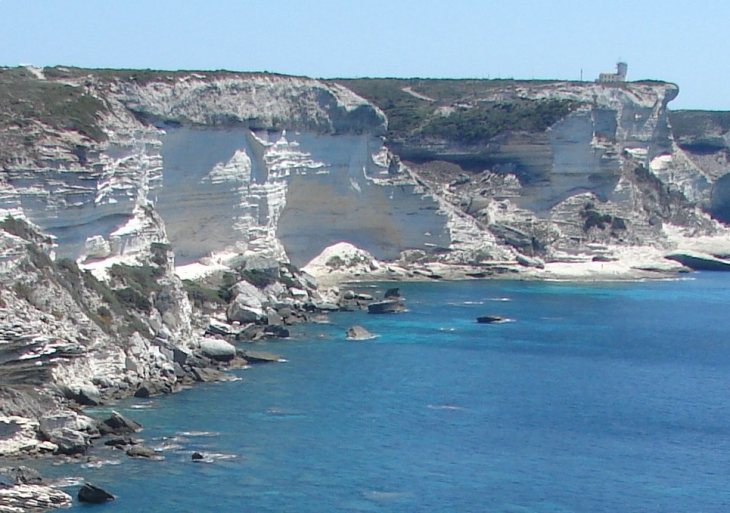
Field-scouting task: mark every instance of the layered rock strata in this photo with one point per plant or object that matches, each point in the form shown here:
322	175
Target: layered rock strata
133	181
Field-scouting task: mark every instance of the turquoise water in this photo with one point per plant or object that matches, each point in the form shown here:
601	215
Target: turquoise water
612	397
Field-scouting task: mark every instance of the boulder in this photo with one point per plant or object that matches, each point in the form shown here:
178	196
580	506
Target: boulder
239	311
358	333
219	328
69	441
120	442
249	294
197	456
217	349
94	495
151	388
88	395
96	247
277	331
272	316
56	419
250	332
179	356
207	375
118	424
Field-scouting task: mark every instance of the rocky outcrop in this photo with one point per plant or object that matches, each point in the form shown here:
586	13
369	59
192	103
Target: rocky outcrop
700	261
22	490
32	499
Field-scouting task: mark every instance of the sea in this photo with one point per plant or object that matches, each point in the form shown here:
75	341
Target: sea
591	397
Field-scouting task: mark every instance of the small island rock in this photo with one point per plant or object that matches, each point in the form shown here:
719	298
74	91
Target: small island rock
358	333
490	319
94	495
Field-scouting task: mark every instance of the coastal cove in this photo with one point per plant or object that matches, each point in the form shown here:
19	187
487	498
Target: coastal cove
595	397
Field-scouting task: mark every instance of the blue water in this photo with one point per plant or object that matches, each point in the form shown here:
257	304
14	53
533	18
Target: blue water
610	397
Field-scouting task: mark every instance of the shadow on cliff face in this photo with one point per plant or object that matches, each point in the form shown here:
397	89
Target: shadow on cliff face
720	204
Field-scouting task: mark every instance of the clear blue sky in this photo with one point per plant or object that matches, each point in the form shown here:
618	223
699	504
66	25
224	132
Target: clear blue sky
678	41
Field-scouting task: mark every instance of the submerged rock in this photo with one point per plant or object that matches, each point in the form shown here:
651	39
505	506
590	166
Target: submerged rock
490	319
140	451
387	306
261	357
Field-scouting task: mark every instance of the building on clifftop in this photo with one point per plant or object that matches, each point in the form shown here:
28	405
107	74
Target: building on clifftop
611	78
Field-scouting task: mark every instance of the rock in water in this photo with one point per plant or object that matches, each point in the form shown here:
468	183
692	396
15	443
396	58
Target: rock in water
490	319
387	306
392	293
94	495
140	451
261	357
197	456
358	333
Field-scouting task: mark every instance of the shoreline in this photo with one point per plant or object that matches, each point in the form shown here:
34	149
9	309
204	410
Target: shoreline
593	272
632	266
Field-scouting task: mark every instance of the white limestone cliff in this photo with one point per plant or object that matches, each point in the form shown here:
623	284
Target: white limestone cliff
219	167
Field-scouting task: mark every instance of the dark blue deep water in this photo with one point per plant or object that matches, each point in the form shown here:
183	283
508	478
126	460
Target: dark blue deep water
607	397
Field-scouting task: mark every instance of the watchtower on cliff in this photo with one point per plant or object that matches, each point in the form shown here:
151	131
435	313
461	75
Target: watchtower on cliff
611	78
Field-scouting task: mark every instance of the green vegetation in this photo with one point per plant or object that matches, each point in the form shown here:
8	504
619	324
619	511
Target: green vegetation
159	253
698	123
104	316
21	229
140	281
200	294
335	262
593	218
24	99
257	278
131	298
486	121
472	114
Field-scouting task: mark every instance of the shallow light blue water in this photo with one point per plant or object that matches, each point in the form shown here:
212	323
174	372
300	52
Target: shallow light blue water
612	397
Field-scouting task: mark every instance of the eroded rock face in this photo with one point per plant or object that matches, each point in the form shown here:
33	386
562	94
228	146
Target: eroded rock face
167	172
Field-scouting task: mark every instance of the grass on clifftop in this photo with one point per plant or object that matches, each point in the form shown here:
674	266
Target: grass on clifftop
25	98
459	110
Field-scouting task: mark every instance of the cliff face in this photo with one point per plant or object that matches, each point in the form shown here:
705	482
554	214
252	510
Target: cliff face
284	166
564	165
700	164
157	170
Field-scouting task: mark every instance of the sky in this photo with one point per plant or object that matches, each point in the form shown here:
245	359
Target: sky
673	40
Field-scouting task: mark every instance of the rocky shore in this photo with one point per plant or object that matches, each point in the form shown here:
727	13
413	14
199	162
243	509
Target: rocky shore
151	239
